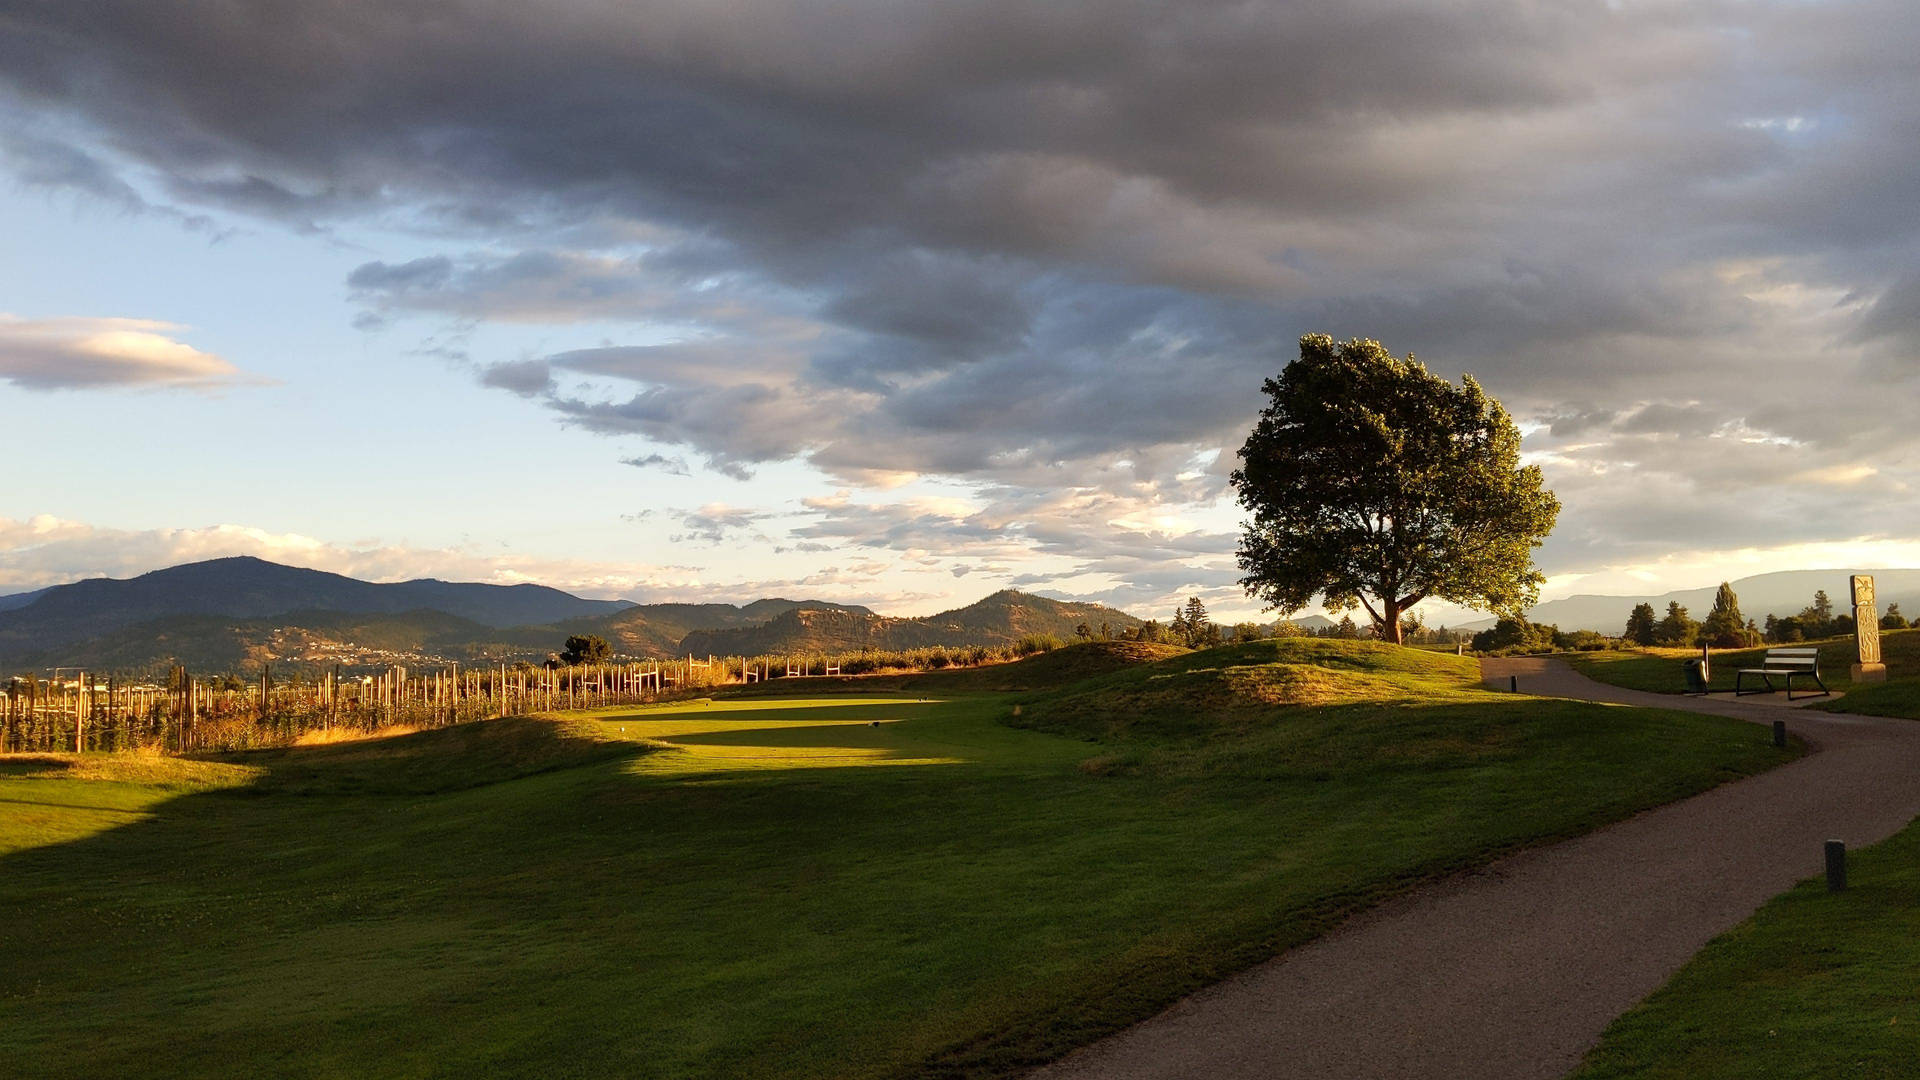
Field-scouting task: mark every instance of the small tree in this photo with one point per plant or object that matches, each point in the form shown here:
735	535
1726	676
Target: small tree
1511	634
1816	619
1192	626
1378	484
1640	625
586	649
1083	632
1893	620
1677	628
1725	627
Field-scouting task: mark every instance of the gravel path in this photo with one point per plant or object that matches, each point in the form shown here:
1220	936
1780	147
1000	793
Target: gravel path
1515	971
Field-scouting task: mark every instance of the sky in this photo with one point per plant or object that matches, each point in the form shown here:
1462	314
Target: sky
900	304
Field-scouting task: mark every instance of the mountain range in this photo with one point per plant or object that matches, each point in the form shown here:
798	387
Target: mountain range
230	614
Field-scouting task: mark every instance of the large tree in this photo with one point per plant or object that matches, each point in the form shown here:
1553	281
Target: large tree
1725	627
1374	483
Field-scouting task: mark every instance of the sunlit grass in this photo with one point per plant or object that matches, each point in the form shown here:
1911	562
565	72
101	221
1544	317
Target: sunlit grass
58	798
789	733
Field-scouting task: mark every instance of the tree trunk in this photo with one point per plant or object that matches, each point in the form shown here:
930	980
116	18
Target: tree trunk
1390	616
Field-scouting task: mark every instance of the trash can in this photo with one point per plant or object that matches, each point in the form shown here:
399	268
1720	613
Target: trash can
1696	676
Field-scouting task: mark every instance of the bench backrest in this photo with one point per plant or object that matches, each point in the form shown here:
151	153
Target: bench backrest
1803	658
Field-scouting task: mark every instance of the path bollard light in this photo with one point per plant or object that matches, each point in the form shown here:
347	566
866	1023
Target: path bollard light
1513	683
1836	866
1780	734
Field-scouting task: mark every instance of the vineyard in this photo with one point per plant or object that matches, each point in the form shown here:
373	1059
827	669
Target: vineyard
86	712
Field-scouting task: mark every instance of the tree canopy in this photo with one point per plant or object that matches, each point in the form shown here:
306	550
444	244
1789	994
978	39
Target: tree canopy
1676	627
586	649
1725	627
1375	483
1640	625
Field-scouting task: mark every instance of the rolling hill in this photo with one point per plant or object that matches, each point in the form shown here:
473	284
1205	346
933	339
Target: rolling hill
660	629
230	615
1002	618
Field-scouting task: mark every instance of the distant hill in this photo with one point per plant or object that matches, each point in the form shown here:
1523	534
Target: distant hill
659	629
236	614
292	641
246	587
1782	593
1000	619
19	600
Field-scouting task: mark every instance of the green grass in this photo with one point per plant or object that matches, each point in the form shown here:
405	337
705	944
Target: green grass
1815	985
1661	671
848	885
1898	698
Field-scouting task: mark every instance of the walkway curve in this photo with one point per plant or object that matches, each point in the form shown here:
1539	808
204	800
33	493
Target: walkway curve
1513	972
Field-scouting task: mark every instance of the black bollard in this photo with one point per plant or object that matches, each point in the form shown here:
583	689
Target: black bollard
1836	866
1513	683
1780	733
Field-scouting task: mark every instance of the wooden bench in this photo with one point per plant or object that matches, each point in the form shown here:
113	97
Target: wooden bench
1787	662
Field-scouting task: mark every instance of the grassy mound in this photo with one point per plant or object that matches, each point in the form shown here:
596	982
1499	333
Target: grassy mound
1056	667
434	761
1235	689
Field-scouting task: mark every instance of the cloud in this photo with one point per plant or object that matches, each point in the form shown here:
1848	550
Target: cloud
528	378
672	466
103	353
714	523
1043	249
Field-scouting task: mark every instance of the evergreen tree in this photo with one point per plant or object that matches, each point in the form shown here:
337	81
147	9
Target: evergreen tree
1816	619
1677	628
1725	627
1192	627
1640	629
1893	620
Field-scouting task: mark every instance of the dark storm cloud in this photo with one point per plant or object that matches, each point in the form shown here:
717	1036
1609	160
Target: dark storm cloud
1057	246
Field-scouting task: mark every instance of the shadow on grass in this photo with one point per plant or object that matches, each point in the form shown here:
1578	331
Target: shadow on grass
432	762
35	765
